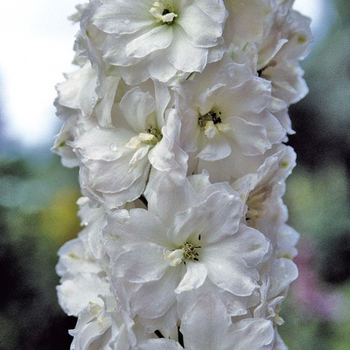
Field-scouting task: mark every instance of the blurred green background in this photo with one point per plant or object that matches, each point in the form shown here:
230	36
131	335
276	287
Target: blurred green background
38	214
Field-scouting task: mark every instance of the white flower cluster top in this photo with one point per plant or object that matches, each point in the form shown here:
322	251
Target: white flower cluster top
177	117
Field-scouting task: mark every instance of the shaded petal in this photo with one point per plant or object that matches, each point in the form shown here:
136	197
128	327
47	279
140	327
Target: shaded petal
102	144
217	148
230	273
136	105
159	344
121	17
207	325
157	38
167	155
159	68
204	31
154	299
141	263
168	195
76	293
254	334
194	277
135	226
183	55
257	142
206	220
283	272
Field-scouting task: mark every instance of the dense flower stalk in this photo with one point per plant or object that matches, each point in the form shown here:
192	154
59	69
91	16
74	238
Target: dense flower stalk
177	118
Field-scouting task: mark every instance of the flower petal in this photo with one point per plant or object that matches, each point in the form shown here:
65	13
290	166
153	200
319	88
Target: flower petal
194	277
157	38
141	263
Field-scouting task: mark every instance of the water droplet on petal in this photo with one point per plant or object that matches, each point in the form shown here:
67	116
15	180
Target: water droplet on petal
113	147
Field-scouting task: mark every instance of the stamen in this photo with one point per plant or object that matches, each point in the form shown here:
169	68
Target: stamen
189	251
155	132
161	13
210	116
151	136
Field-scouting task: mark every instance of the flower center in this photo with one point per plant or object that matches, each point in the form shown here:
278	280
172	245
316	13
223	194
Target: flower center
155	132
210	116
151	136
190	251
162	13
256	205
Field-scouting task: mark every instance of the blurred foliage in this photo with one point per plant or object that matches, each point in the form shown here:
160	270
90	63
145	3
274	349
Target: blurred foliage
38	214
318	196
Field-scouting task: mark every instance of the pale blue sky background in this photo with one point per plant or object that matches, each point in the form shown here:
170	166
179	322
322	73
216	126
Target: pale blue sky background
36	47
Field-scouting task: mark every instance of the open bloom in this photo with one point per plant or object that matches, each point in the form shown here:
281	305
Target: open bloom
180	104
163	38
116	160
271	38
85	288
218	331
219	108
179	243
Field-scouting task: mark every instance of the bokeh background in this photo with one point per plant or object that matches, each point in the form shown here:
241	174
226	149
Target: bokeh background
38	196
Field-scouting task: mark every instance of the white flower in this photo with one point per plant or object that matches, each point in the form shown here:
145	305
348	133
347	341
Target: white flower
116	161
85	94
184	238
219	108
61	146
159	344
207	326
271	38
282	66
105	327
78	91
82	101
84	291
287	238
181	105
165	38
262	192
94	326
82	266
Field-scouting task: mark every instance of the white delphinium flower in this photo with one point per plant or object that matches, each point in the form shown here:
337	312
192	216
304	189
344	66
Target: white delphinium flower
85	281
184	238
80	97
182	105
272	45
218	332
219	108
106	328
83	92
206	325
116	161
84	291
61	145
282	67
79	267
262	192
93	329
159	39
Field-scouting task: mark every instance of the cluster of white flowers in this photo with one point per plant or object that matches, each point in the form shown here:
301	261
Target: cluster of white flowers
177	118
